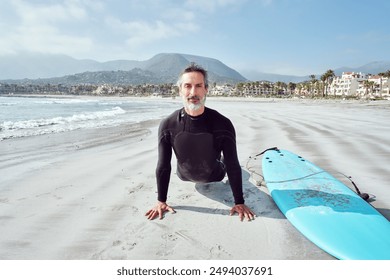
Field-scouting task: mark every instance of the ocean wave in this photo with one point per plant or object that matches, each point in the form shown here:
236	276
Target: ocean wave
10	129
4	104
64	101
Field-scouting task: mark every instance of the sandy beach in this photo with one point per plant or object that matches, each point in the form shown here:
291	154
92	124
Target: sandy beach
83	194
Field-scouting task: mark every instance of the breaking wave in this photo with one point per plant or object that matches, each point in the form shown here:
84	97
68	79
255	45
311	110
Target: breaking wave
10	129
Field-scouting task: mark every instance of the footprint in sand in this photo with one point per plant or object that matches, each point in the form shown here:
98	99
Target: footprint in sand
218	252
137	188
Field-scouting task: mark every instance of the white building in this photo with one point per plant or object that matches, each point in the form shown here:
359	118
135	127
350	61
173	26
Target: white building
355	84
346	85
222	90
380	88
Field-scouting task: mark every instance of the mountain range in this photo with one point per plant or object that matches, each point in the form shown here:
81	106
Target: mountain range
369	68
162	68
61	69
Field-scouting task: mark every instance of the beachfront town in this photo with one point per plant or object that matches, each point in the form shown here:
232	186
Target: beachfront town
349	85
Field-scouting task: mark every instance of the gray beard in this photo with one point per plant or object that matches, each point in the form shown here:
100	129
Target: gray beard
194	107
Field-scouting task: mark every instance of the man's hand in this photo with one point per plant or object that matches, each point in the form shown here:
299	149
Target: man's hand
243	211
159	210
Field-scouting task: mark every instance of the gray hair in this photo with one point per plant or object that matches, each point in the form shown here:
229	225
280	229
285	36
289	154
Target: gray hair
193	67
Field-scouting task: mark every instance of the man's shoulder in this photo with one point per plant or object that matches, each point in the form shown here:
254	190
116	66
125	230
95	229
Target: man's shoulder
174	114
171	120
218	117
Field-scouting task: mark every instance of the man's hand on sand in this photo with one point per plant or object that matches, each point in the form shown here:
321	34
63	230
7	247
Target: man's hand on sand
159	210
243	211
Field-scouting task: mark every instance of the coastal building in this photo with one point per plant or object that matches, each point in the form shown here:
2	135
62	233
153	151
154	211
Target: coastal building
375	86
257	88
222	90
347	85
360	85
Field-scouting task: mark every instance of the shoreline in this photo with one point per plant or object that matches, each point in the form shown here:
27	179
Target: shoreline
330	99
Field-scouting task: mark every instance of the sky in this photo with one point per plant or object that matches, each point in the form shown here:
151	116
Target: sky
289	37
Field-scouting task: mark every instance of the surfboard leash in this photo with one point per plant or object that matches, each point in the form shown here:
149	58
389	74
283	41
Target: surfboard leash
253	172
269	149
365	196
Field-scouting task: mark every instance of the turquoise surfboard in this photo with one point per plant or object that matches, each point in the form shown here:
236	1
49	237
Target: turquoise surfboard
325	210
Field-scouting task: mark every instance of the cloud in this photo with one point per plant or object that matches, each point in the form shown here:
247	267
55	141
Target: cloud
44	38
212	6
87	27
139	33
43	14
97	29
178	14
45	27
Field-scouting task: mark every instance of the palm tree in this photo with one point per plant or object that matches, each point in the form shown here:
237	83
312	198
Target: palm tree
291	86
240	88
267	86
313	81
327	79
280	87
385	74
369	86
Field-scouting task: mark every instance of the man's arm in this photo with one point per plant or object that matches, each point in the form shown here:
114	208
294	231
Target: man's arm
233	168
163	170
234	173
163	174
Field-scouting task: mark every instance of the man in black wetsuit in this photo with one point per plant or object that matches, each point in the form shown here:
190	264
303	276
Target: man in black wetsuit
199	136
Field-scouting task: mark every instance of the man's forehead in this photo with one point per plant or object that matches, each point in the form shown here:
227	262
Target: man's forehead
193	77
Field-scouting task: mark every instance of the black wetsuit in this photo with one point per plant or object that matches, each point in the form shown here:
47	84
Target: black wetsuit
198	143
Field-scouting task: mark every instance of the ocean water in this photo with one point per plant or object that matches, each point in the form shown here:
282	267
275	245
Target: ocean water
28	116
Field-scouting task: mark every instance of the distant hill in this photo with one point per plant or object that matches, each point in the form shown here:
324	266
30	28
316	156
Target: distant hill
162	68
370	68
260	76
60	69
35	66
